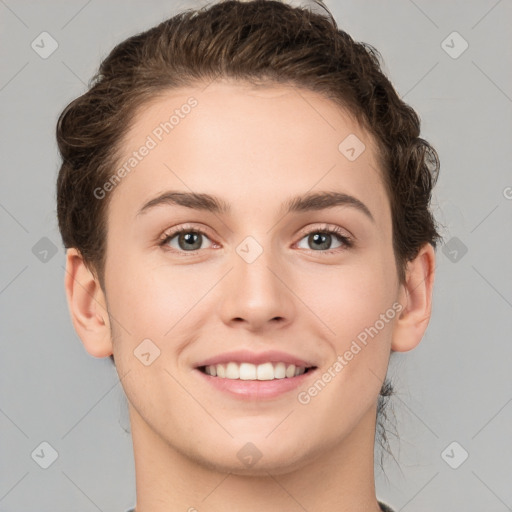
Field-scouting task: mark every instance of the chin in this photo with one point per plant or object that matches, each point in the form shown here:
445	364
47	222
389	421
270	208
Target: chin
254	456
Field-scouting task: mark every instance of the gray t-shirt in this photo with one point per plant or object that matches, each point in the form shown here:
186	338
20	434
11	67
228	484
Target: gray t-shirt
383	506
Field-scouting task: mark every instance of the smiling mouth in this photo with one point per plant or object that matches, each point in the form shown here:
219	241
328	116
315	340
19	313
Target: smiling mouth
249	371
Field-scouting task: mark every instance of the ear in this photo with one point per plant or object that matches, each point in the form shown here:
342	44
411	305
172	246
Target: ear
87	305
416	299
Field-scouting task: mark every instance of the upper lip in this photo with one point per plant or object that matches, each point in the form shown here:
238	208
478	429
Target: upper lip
247	356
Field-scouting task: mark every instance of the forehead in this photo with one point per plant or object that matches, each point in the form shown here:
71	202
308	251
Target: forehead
237	140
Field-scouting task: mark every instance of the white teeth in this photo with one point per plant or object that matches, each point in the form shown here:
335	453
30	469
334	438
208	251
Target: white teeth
248	371
265	371
290	371
232	371
280	371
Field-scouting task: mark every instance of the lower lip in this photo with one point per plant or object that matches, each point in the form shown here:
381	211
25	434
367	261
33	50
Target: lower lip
256	389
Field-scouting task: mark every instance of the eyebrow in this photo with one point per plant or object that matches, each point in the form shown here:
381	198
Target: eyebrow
314	201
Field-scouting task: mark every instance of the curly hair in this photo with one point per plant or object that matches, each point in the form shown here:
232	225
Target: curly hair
260	42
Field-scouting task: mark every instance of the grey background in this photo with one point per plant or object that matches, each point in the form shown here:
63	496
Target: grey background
455	386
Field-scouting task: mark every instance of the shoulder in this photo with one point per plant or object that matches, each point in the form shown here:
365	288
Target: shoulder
383	507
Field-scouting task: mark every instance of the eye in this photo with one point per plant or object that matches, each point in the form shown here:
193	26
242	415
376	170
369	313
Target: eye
187	239
321	239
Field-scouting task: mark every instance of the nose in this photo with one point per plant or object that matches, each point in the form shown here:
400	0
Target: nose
257	294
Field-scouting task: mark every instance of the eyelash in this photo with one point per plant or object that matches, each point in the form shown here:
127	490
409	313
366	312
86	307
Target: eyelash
347	241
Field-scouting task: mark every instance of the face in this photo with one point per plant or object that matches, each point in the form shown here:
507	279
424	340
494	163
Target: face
258	280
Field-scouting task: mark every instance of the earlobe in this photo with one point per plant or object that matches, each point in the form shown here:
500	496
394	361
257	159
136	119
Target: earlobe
416	298
87	306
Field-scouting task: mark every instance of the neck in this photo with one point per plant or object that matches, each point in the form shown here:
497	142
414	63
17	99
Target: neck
339	478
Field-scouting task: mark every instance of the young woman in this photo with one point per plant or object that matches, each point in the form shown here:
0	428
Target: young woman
245	203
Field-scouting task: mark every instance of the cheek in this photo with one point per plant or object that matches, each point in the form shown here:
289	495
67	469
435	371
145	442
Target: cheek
358	308
350	380
159	301
352	298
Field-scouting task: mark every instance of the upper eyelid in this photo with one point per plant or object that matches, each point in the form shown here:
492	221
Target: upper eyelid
172	232
327	227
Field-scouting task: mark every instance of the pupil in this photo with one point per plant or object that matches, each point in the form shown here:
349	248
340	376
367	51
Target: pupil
325	237
189	238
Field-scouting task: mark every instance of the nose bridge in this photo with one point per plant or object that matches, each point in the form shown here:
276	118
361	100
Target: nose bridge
253	264
255	290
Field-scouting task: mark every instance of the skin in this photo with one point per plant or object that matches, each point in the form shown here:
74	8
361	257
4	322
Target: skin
254	148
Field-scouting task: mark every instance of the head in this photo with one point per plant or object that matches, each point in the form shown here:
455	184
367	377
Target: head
253	103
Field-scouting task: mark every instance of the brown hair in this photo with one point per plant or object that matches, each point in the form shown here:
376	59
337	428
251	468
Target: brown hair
260	41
